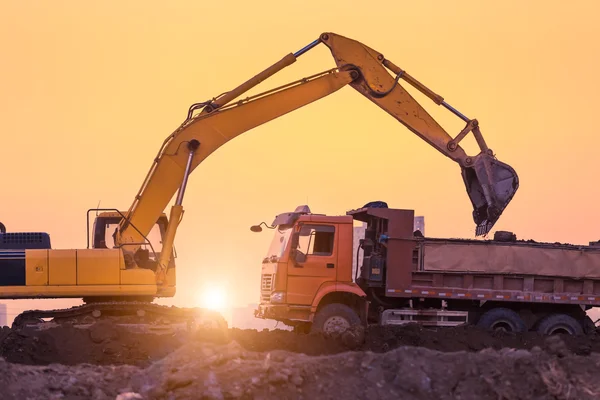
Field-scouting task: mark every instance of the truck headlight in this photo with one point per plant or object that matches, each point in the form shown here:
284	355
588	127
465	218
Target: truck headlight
278	297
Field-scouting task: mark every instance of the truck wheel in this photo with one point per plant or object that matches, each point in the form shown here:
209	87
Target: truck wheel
335	318
559	323
502	319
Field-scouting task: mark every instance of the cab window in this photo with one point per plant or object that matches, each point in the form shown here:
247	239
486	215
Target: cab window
316	240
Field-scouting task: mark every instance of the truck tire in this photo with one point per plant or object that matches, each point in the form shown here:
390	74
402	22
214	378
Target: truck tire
502	319
559	323
334	318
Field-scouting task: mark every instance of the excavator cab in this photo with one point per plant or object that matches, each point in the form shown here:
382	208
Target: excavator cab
147	256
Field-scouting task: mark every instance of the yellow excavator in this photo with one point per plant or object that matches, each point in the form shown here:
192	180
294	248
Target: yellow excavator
130	260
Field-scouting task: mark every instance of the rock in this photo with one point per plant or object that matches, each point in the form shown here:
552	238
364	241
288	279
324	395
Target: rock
129	396
557	346
102	331
297	380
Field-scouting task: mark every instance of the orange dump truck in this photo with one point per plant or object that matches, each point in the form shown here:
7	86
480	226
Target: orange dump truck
502	284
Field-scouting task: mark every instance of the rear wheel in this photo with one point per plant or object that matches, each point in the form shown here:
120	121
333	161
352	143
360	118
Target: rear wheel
559	323
335	318
503	320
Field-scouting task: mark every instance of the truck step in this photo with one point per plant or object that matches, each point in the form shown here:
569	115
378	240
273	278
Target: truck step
424	317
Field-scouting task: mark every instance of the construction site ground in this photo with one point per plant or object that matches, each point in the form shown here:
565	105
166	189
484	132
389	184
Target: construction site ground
407	362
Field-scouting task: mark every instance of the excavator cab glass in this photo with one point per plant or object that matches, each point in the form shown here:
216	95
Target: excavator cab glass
491	185
105	227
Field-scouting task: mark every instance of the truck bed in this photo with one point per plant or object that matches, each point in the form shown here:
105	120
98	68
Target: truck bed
502	271
482	270
513	257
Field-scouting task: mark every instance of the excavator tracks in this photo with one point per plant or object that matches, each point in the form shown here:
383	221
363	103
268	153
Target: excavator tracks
139	317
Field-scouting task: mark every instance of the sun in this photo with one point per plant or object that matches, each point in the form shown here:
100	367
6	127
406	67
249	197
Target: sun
213	297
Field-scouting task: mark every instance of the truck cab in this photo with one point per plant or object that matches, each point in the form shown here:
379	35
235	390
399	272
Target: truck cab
308	266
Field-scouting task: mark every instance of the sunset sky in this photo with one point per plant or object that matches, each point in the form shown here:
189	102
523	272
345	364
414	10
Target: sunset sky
89	91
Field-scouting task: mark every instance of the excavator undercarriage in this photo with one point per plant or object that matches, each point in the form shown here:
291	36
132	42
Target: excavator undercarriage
136	316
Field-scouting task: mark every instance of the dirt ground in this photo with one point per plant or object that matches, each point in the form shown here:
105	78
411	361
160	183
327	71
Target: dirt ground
107	344
408	362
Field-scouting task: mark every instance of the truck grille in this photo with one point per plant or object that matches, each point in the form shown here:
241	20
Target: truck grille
267	282
266	287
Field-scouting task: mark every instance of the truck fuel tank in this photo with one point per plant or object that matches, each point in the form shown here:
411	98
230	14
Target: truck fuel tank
373	267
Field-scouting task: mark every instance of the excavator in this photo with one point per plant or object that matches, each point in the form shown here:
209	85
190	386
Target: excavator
130	260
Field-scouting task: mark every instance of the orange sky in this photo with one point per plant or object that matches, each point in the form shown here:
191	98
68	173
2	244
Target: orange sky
89	91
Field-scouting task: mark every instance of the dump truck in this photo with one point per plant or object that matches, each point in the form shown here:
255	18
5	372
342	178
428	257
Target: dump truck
403	276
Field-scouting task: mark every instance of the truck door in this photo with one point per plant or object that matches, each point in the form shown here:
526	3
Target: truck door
313	261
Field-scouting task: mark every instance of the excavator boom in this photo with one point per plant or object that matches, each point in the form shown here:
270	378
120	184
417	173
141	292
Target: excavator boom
490	183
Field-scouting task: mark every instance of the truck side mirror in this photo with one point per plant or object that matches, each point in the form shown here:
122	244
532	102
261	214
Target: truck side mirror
299	257
256	228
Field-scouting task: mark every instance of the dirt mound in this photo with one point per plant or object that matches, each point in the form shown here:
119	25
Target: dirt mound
310	344
106	343
210	371
467	338
385	338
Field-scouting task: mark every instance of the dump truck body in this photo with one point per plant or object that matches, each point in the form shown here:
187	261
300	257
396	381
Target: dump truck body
404	277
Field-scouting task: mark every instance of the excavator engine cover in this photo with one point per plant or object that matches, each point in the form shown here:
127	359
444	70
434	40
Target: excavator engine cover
491	185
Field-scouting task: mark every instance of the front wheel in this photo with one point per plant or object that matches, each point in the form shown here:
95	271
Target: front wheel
335	318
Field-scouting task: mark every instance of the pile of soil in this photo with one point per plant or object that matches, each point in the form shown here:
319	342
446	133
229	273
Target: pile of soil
228	371
468	338
381	339
103	344
108	344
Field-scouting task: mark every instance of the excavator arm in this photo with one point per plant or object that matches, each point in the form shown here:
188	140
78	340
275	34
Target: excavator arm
490	184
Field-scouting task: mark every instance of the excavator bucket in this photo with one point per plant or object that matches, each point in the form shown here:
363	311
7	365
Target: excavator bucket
491	185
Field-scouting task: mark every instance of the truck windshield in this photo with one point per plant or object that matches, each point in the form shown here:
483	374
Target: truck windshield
278	244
